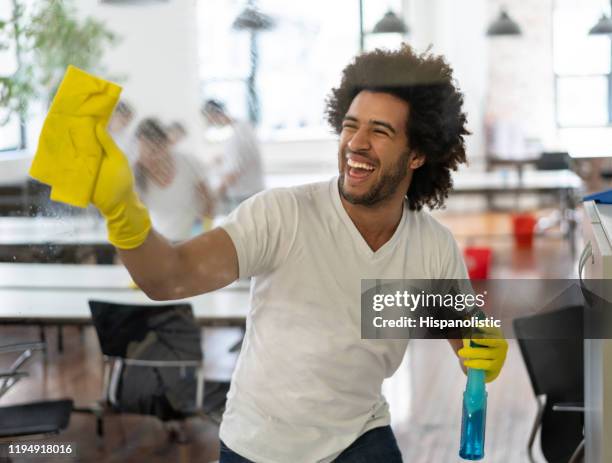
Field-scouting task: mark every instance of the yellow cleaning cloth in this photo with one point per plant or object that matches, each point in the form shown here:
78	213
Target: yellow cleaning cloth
69	154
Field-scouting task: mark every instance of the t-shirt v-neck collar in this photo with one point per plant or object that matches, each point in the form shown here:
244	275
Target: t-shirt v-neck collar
362	245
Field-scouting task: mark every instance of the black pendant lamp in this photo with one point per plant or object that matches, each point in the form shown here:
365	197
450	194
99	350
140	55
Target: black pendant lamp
503	25
390	24
251	19
604	25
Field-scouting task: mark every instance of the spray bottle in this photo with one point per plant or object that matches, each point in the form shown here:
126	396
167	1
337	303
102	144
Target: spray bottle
474	415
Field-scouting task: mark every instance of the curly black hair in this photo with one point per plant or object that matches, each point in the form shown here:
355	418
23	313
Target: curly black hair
436	124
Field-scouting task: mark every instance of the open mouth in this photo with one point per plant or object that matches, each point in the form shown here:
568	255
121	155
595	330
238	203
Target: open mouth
358	170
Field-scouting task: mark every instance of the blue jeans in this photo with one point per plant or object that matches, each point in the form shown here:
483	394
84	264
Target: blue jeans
378	445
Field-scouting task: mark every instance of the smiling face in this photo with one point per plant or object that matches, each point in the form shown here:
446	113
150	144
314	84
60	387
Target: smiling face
374	158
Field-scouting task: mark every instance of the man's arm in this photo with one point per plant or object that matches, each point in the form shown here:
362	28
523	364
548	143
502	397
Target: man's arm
165	271
162	270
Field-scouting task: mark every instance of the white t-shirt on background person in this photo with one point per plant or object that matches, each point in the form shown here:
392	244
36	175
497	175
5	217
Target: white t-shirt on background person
241	154
306	385
175	209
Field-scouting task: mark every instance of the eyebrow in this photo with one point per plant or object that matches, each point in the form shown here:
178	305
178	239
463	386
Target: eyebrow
373	122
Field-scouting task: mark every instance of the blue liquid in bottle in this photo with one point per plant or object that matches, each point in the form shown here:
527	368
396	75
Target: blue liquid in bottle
474	416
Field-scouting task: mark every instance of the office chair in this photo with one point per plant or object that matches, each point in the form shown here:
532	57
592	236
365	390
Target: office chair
551	344
153	363
40	418
551	160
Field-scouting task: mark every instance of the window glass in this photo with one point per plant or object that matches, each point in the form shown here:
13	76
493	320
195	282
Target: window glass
575	51
299	60
582	64
9	132
582	101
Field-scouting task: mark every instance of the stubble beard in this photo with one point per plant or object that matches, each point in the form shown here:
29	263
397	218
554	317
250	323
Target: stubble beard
384	188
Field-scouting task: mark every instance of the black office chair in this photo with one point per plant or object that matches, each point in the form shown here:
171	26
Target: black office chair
552	160
40	418
153	365
552	346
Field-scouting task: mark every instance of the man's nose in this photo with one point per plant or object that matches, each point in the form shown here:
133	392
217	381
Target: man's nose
360	141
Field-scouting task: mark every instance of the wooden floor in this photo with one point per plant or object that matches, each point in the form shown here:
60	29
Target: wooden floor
424	394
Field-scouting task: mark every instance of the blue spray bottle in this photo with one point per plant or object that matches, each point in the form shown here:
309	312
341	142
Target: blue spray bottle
474	416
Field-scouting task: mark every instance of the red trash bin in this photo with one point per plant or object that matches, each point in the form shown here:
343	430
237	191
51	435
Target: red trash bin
478	262
523	226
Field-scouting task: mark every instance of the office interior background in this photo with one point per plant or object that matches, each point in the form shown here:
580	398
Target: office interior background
538	97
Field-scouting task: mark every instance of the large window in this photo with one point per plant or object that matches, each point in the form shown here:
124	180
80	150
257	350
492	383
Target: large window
10	134
299	60
582	65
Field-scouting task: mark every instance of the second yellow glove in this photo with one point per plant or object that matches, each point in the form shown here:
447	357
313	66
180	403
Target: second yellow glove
489	355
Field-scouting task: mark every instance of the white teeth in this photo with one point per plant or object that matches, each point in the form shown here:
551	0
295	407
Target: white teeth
359	165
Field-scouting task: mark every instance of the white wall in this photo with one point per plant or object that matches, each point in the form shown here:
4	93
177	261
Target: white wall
520	72
158	52
456	30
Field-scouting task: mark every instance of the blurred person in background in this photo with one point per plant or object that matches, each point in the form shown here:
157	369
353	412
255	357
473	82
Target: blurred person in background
169	183
240	163
176	133
118	127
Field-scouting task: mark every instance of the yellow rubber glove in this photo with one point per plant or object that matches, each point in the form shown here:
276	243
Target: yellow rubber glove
127	219
490	354
81	102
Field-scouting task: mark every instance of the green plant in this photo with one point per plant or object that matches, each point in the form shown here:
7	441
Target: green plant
47	38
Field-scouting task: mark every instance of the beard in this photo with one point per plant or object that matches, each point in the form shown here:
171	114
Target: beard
385	186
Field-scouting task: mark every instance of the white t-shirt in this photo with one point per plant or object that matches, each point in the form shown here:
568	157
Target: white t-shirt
175	208
306	385
241	154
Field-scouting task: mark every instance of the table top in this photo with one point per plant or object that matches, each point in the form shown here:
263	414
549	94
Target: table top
71	305
56	293
502	181
75	276
57	230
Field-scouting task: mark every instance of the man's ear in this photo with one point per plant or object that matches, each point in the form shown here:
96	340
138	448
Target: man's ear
416	160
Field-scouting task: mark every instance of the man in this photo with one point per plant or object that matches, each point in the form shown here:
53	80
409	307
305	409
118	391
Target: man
306	387
240	162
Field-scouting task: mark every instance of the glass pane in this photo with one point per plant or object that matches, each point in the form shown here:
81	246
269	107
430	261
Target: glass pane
299	60
9	133
8	59
231	92
223	51
575	51
582	101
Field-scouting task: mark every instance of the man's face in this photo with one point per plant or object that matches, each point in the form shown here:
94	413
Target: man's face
374	159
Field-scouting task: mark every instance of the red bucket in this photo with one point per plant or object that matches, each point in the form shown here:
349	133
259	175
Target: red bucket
523	226
478	262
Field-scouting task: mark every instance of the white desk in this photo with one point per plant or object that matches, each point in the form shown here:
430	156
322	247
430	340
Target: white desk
20	231
34	306
75	276
55	294
535	181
